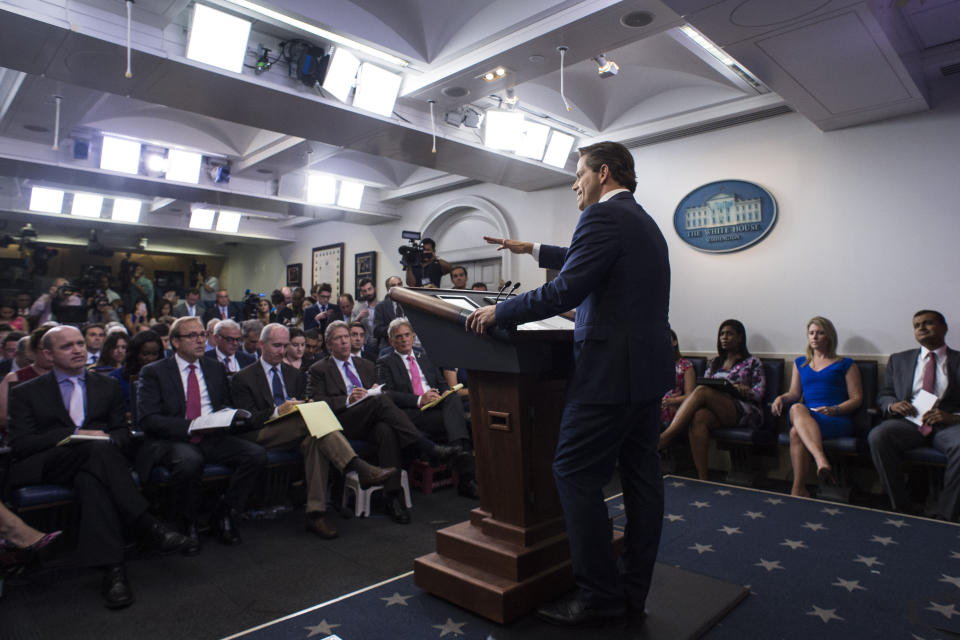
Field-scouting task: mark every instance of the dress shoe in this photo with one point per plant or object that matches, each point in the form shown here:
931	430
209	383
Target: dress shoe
318	525
224	526
574	612
371	476
192	546
469	489
115	589
163	539
825	476
397	510
444	453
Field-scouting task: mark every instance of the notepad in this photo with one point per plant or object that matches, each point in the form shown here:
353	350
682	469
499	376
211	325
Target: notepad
76	437
317	416
216	420
443	397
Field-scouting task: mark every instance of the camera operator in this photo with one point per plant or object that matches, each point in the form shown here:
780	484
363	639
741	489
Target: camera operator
207	284
430	269
141	288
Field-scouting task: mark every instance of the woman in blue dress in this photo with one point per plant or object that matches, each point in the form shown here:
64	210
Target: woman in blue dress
831	392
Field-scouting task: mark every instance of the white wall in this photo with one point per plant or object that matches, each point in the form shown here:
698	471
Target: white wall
867	230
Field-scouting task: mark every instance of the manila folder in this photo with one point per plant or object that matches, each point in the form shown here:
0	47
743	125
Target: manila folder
317	416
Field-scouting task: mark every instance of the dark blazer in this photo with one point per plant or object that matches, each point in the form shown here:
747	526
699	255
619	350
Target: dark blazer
391	371
250	389
162	401
898	380
324	381
234	310
39	419
181	310
243	360
383	315
313	310
616	272
5	367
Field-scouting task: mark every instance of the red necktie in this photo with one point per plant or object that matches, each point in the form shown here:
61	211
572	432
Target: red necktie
415	376
193	398
929	384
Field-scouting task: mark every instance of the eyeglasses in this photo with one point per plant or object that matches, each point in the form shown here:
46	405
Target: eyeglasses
229	339
192	336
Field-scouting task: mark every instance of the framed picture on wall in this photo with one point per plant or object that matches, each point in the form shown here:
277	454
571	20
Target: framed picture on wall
365	266
295	275
327	266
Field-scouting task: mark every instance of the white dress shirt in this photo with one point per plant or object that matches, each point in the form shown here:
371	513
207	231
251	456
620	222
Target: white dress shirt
940	382
234	365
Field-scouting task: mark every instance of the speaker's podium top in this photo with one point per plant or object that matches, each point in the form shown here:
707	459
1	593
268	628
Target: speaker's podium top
438	317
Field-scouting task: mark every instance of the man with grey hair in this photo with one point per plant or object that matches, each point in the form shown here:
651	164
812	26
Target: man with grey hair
273	389
252	329
227	352
211	338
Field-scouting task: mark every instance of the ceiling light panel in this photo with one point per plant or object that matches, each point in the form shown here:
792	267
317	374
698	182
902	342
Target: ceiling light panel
126	210
183	166
201	218
218	39
377	89
46	200
341	74
87	205
502	129
119	154
533	140
321	189
228	221
351	195
558	150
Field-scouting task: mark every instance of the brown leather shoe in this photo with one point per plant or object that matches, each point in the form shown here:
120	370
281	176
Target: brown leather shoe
319	526
371	476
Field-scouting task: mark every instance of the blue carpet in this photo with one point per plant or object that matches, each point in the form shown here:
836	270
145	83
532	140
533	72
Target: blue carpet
814	569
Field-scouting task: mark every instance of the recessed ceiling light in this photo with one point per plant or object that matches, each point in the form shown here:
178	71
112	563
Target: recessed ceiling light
126	210
120	155
86	205
455	92
536	58
183	166
494	74
321	189
376	89
636	19
201	218
228	221
217	38
351	195
46	200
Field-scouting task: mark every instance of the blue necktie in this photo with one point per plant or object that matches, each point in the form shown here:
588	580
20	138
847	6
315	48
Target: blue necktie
278	397
354	380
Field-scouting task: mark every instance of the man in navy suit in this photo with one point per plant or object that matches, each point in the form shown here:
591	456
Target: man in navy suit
227	337
223	309
616	272
934	368
321	313
384	313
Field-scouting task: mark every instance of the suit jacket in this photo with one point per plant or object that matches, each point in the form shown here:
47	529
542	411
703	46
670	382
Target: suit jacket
234	311
162	401
313	310
392	371
39	419
324	381
181	310
5	367
383	315
243	360
898	380
250	389
616	272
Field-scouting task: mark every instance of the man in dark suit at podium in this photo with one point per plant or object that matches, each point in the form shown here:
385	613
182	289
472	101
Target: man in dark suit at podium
617	261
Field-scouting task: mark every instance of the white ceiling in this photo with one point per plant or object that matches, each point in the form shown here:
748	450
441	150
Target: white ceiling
838	63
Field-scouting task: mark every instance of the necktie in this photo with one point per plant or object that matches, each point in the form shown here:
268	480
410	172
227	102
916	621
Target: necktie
929	384
223	312
415	375
193	393
226	363
351	376
278	397
76	403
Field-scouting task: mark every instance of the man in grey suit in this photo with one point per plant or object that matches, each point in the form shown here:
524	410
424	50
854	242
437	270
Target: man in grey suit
190	306
934	368
383	315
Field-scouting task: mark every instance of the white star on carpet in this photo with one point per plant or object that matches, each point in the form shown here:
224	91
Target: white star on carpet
869	561
824	614
955	581
673	517
774	500
678	484
699	505
769	565
622	507
730	530
814	526
896	523
753	515
723	492
948	610
456	628
955	555
833	511
849	585
396	598
701	548
324	628
794	544
883	540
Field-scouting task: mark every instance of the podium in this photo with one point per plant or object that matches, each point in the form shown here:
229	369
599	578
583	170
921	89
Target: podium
512	554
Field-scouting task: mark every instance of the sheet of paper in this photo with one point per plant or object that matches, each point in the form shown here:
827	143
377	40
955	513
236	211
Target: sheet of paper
215	420
319	418
81	438
922	402
375	390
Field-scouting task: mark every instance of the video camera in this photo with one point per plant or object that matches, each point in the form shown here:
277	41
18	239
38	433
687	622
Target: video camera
411	255
250	303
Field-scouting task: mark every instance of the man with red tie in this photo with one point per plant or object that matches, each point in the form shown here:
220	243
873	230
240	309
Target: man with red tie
222	308
911	375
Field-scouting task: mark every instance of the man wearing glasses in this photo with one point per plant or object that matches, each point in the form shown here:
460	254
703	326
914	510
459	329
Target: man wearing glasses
173	393
227	337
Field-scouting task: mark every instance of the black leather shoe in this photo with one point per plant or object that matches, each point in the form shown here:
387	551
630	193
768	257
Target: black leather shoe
319	526
115	589
371	476
469	489
397	510
192	546
444	453
165	540
224	526
573	612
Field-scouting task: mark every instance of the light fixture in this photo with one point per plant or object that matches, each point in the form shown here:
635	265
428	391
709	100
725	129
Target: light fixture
217	38
351	195
533	140
183	166
512	99
558	150
321	189
119	154
494	74
201	218
126	210
46	200
502	129
341	74
87	205
155	162
377	89
228	221
606	68
317	31
715	51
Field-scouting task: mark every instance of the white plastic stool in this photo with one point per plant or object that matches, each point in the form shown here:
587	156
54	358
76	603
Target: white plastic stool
361	501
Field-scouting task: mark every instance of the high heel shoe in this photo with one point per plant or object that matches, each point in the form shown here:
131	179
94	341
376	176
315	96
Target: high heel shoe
6	545
825	476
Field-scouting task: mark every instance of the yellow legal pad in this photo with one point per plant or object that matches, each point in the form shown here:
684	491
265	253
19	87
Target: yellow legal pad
443	397
317	416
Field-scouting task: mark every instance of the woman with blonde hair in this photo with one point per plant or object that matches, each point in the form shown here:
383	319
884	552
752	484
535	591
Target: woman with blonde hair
831	391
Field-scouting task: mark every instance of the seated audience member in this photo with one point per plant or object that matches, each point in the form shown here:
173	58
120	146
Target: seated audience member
263	311
458	277
211	337
145	347
228	337
478	286
115	326
19	542
139	315
273	389
23	301
66	401
344	383
683	386
384	314
709	408
323	312
296	345
251	337
358	342
113	354
831	390
190	306
162	329
277	302
13	357
173	393
8	315
164	309
40	364
223	309
103	312
346	304
313	349
412	381
93	335
934	368
291	314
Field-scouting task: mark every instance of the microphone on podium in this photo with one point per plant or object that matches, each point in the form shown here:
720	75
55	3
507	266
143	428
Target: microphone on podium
502	289
516	285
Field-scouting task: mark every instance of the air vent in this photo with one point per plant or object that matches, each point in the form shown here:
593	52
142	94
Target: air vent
643	141
950	69
455	92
